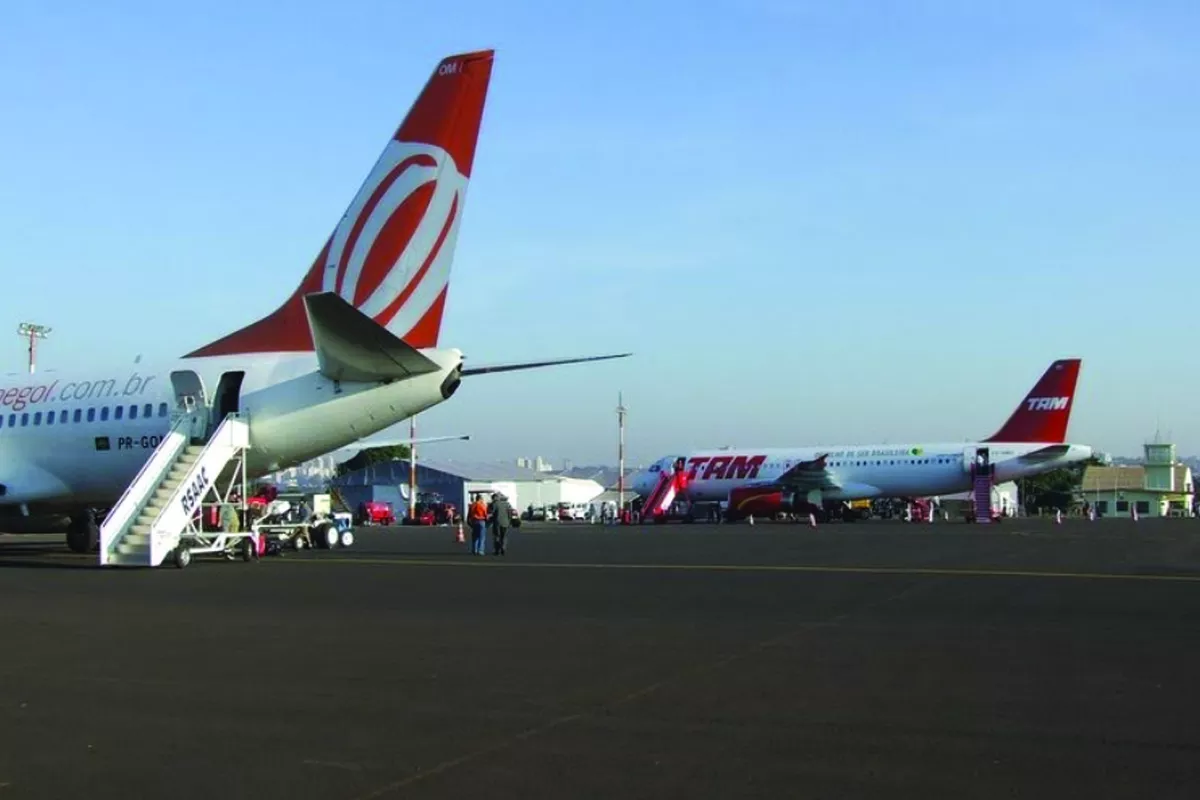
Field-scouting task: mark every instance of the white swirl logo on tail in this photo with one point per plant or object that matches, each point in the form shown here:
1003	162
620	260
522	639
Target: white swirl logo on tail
390	255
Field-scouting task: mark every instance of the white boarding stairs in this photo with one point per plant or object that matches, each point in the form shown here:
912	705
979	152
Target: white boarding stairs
156	517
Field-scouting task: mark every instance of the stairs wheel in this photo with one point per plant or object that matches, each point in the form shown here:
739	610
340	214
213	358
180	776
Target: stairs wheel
347	538
183	556
247	549
298	542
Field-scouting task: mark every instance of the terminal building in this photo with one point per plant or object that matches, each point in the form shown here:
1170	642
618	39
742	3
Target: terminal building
1160	487
456	481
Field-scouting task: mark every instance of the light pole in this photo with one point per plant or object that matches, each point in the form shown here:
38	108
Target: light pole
32	332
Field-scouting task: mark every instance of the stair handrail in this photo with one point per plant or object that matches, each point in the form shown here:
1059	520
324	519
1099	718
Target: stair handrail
162	456
223	431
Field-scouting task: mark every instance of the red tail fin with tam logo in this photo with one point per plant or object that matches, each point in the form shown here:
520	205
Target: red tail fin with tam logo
1044	413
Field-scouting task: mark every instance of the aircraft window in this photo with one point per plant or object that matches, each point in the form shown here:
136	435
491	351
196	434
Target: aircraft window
162	409
24	419
37	418
12	420
91	415
1	420
104	413
133	412
49	417
118	412
148	410
78	414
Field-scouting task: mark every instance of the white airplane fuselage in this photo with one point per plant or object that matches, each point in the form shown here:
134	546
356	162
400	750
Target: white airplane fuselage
862	471
83	437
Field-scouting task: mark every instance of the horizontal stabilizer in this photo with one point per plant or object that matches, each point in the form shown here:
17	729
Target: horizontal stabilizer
344	454
490	368
1043	454
350	346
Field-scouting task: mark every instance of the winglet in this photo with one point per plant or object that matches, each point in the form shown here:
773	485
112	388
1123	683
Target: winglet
350	346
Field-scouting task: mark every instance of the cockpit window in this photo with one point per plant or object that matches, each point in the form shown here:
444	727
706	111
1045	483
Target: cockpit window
655	467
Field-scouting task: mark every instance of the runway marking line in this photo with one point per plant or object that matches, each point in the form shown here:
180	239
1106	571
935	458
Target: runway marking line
966	572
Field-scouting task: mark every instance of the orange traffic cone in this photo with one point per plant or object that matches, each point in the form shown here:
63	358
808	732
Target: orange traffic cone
459	537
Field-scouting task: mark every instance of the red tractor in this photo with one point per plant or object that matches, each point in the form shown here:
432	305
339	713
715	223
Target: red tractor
375	512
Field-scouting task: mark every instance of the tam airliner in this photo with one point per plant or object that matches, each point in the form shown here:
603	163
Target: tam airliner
353	350
818	479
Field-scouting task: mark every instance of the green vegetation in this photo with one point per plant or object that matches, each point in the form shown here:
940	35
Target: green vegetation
1055	489
374	455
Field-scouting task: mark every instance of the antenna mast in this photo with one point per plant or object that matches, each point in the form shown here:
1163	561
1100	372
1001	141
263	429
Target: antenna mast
620	454
412	468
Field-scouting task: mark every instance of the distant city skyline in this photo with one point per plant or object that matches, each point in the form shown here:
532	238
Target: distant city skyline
810	223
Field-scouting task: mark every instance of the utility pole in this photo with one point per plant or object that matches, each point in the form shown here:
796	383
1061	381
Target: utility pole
32	332
620	454
412	468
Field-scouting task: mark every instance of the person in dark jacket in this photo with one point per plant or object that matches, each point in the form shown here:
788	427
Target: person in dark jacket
501	521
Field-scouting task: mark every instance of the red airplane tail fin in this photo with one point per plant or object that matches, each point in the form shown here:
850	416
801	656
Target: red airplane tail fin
1044	413
391	252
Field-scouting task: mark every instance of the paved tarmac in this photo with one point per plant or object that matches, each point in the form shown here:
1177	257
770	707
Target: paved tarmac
874	660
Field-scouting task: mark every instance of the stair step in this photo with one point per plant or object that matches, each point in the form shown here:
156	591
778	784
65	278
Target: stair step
170	484
138	530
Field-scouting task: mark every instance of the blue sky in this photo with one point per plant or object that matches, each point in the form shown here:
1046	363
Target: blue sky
796	214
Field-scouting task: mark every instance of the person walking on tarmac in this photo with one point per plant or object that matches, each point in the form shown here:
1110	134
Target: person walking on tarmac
477	515
502	516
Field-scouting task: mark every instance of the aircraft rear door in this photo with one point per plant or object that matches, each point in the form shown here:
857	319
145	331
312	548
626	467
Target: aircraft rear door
976	459
227	399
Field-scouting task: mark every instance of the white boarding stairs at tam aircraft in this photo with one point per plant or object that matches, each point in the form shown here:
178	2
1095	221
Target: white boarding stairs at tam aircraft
156	518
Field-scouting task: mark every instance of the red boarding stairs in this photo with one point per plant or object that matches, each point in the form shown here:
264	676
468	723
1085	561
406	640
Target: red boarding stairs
668	489
982	493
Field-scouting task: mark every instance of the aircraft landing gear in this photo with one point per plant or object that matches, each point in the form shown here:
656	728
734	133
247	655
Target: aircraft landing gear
83	534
